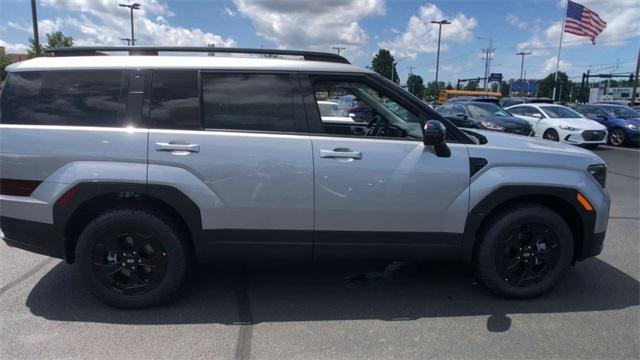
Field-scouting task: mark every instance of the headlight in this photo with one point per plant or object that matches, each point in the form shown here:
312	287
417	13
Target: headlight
491	125
631	126
567	127
599	172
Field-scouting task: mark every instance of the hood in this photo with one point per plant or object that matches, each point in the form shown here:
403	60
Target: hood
497	139
581	123
505	120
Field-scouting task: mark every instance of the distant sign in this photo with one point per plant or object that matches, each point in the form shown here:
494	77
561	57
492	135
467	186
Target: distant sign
495	77
524	86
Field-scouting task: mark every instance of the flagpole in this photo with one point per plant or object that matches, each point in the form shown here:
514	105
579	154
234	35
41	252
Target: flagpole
555	81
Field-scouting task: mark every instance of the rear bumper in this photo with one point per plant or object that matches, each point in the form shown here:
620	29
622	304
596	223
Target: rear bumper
32	236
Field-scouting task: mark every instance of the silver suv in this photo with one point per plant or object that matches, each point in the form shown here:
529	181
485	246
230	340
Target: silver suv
136	167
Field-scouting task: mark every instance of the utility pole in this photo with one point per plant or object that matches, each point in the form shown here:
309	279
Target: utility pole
338	48
523	54
634	88
34	19
134	6
487	62
440	23
127	40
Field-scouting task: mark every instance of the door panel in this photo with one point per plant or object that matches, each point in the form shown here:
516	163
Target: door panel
262	181
395	193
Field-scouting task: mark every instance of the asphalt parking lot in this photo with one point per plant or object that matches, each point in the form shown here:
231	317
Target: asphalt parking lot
367	310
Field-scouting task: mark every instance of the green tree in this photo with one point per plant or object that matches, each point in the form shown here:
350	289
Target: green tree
4	62
505	88
54	40
430	91
545	86
471	85
449	86
415	85
384	64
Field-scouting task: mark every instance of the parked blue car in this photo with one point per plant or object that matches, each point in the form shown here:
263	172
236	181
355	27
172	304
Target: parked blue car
623	123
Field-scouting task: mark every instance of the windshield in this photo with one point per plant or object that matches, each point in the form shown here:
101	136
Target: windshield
480	110
556	112
331	109
622	112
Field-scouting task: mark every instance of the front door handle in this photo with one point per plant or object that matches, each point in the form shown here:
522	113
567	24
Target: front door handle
179	148
341	153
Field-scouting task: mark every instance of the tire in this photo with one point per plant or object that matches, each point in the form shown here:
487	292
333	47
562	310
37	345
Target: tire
131	258
551	134
617	137
499	249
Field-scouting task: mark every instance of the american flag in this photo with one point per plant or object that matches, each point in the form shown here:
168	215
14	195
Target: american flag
582	21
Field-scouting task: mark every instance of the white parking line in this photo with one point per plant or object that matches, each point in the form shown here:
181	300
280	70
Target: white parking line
619	148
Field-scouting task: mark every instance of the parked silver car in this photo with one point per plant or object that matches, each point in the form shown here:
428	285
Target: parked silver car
135	167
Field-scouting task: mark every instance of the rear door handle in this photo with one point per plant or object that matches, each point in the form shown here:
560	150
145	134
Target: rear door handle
341	153
181	148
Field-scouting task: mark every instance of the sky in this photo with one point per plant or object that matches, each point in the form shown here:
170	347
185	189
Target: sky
360	26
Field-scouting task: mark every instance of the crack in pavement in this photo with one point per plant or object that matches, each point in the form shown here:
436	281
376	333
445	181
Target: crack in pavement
25	276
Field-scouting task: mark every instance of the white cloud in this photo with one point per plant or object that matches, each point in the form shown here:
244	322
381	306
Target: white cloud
229	12
516	21
14	48
549	66
311	24
102	22
45	26
622	25
420	36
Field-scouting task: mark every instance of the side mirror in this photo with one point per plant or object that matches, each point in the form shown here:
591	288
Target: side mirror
461	115
352	115
536	115
602	118
434	134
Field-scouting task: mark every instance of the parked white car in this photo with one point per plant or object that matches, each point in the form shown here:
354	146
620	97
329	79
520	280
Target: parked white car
331	112
560	123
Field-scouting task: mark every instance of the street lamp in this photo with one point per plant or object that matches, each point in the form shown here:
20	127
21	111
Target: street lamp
338	48
134	6
440	23
523	54
394	66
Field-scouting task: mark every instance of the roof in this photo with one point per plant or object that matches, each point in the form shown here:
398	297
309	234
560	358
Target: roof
180	62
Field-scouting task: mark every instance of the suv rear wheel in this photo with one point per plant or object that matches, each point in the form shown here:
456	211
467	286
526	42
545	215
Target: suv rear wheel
524	251
131	258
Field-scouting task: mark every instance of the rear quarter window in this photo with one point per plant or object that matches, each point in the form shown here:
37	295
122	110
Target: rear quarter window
75	98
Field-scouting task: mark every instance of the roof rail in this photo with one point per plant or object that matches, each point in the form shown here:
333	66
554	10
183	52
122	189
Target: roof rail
154	50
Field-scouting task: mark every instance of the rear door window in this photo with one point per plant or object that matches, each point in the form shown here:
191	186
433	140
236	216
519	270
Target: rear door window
255	102
75	98
175	100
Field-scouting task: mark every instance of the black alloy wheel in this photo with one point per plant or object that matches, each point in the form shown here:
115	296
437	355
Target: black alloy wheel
129	262
133	258
527	254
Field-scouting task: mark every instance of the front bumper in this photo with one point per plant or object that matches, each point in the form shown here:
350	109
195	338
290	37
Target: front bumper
32	236
585	137
591	246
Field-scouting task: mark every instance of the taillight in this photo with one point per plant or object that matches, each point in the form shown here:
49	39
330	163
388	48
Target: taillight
17	187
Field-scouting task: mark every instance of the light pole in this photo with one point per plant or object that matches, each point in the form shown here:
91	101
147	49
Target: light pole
523	54
134	6
440	23
127	40
338	48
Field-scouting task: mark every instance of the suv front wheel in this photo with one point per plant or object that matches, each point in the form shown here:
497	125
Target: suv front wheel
131	258
524	251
